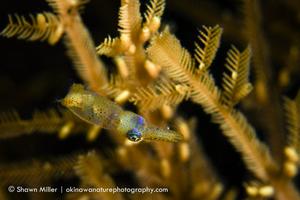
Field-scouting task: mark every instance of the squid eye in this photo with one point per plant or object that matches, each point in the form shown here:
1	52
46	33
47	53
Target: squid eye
134	135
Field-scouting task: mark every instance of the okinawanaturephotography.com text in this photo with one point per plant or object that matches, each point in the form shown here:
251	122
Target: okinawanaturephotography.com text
63	189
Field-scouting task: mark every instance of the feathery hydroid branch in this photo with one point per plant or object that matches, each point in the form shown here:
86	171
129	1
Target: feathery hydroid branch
36	171
51	121
254	33
91	171
166	51
43	26
292	113
80	45
210	38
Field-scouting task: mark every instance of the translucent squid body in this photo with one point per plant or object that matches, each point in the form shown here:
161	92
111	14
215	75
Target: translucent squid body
98	110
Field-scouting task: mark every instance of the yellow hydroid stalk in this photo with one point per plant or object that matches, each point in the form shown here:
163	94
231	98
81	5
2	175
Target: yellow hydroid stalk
80	45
